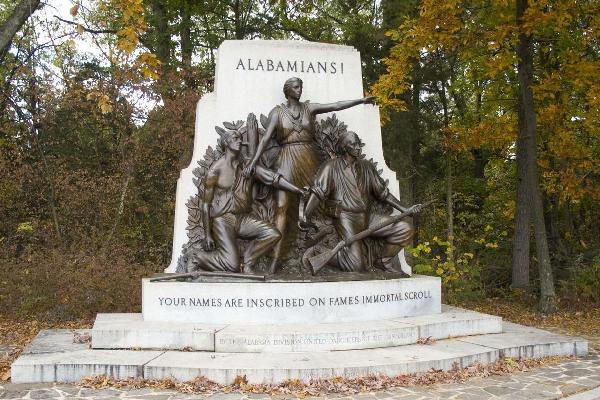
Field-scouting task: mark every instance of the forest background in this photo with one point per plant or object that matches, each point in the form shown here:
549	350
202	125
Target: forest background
490	106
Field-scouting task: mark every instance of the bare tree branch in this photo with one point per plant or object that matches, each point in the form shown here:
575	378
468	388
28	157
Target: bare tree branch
89	30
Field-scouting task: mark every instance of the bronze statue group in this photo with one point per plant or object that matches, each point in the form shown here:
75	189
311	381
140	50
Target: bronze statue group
288	157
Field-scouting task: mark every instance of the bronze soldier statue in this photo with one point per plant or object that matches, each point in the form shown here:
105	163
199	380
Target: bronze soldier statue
226	212
292	126
349	185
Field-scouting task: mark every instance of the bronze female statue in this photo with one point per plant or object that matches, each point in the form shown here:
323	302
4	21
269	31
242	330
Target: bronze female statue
292	126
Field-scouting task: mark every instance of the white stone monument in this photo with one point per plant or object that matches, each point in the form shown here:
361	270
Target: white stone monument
249	78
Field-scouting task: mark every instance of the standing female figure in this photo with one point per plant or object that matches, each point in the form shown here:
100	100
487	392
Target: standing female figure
292	126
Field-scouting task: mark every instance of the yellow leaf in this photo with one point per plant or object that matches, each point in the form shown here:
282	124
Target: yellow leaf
25	227
70	44
105	108
73	11
79	29
104	104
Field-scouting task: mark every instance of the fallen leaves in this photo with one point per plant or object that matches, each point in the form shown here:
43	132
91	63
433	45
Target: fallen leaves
427	340
336	385
81	337
571	319
74	10
6	360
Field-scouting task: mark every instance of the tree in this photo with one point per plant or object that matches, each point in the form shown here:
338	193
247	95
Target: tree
529	199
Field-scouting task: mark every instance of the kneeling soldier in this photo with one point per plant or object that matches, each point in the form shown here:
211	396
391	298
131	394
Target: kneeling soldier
226	213
350	185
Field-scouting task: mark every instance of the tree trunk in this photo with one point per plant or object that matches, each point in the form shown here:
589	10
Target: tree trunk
120	208
525	136
237	20
34	125
11	26
163	39
160	24
449	190
414	139
187	46
527	128
521	238
547	294
449	204
480	155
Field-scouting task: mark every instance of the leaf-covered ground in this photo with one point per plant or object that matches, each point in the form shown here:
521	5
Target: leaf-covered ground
577	319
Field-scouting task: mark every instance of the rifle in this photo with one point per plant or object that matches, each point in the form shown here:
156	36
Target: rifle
198	274
317	262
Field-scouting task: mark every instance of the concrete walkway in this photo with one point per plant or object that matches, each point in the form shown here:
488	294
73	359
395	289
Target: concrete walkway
574	380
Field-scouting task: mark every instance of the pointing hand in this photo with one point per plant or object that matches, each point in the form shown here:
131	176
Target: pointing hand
369	100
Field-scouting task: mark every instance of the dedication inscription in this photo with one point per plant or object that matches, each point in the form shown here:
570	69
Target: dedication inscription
286	302
283	303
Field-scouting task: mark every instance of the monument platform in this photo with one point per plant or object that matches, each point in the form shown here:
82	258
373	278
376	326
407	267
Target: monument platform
124	331
53	356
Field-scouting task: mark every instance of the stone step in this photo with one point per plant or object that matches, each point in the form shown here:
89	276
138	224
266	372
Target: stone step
130	331
126	331
53	356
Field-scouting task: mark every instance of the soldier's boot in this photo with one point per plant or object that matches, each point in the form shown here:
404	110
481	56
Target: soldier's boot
275	265
249	267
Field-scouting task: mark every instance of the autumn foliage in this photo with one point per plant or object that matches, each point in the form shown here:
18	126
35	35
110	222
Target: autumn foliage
460	57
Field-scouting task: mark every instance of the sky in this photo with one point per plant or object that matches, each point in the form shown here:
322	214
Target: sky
61	8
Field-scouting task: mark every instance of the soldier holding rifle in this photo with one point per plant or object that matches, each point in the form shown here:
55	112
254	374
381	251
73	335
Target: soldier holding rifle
349	185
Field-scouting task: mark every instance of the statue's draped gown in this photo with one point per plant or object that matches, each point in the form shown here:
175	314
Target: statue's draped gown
298	162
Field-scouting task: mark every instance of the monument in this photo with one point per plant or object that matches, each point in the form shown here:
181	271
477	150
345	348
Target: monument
287	247
249	78
285	207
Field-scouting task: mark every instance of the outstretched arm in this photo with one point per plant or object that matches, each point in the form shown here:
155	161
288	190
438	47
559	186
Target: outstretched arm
394	202
339	105
273	120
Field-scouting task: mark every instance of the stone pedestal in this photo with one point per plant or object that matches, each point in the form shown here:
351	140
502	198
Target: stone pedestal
281	303
123	331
